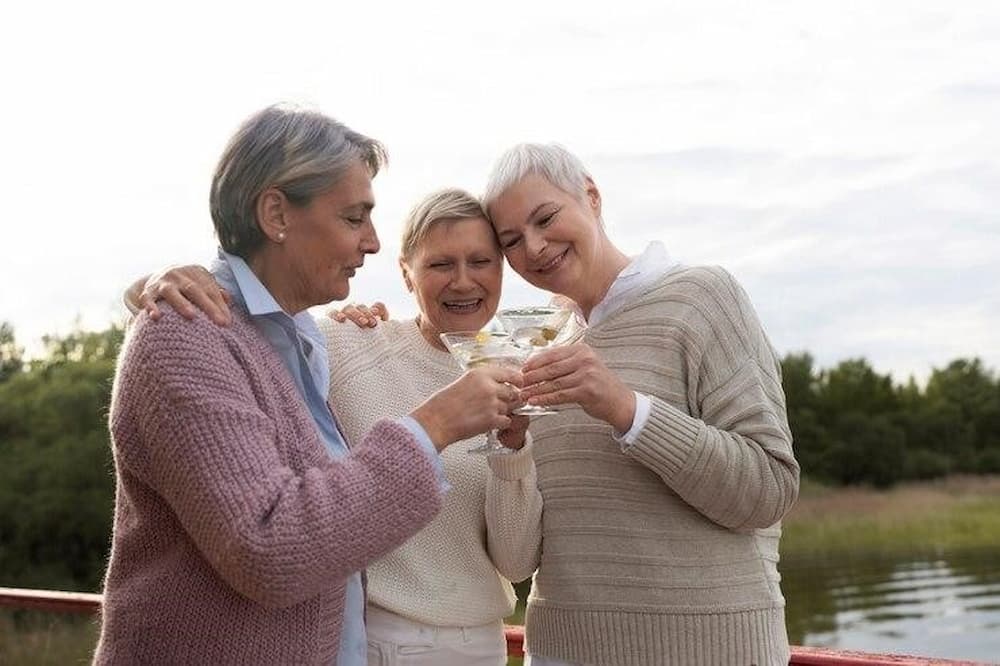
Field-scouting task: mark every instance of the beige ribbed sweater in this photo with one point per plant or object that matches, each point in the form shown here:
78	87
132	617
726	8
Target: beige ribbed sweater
456	571
667	553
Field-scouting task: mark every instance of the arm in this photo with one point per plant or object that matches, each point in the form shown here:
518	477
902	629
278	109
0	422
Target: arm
514	513
739	472
735	463
189	427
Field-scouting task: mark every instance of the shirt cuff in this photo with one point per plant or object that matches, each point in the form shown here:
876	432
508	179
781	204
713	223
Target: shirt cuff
425	442
643	407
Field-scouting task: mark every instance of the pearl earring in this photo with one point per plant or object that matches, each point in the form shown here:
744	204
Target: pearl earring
281	236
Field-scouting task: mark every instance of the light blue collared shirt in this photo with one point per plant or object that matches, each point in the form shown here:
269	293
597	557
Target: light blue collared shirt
302	348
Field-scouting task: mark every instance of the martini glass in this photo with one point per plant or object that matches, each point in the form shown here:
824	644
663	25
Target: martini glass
475	348
538	328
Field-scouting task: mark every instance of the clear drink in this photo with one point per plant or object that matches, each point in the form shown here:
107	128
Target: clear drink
475	348
538	328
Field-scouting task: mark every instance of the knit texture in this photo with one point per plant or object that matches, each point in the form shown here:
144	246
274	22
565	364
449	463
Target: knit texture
455	572
667	553
234	530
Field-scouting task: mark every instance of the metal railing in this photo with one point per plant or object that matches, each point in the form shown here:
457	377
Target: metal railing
79	602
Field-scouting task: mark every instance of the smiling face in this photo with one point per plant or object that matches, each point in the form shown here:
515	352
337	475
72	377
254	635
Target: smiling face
326	240
550	237
455	274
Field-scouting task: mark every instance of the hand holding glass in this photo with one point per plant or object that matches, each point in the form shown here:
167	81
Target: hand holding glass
475	348
539	328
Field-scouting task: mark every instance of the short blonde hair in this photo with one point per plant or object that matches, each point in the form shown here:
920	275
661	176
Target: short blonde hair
441	206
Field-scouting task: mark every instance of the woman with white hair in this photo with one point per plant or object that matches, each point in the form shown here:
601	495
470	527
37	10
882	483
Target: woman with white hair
440	598
242	521
665	482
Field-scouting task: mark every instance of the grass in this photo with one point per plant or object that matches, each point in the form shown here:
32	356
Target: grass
957	513
34	638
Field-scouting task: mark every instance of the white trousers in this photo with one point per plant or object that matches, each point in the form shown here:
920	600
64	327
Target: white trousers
394	640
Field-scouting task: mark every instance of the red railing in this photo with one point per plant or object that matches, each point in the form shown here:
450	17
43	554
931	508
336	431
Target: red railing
79	602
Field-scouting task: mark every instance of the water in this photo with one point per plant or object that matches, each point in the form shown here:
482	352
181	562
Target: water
935	605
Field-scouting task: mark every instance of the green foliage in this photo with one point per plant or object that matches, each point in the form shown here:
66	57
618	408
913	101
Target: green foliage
10	353
854	426
851	425
56	481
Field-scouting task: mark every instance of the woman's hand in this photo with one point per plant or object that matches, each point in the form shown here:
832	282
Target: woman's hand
363	316
478	401
512	436
187	289
575	374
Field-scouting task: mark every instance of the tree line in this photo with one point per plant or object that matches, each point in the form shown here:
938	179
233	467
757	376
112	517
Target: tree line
851	425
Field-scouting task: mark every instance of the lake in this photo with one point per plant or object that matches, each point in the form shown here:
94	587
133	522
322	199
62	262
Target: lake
935	605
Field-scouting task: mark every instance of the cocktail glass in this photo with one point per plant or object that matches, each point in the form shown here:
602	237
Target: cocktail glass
539	328
475	348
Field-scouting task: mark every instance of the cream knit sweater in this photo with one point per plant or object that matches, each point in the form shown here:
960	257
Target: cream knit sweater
456	571
667	553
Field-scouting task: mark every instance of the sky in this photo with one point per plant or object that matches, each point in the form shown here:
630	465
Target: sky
841	159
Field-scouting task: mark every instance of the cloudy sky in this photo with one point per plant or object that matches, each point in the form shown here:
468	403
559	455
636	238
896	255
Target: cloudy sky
842	159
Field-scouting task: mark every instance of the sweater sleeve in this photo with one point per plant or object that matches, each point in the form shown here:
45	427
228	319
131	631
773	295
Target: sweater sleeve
188	425
734	463
514	513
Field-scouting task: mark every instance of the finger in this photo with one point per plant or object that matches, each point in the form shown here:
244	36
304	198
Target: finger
218	297
354	313
380	310
552	355
555	369
172	294
555	398
215	309
336	315
226	296
367	316
148	303
568	387
505	375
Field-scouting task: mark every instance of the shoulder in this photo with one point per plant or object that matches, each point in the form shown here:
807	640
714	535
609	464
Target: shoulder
175	347
172	333
348	337
713	281
711	291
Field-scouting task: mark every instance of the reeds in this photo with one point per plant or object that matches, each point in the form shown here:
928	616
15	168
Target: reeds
957	513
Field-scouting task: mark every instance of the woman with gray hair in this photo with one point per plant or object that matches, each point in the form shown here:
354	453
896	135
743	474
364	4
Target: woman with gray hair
440	598
665	483
242	520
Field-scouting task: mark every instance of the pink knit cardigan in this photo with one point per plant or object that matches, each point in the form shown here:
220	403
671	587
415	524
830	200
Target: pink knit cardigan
234	530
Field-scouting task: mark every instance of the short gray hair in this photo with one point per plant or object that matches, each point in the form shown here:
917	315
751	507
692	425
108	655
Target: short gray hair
300	152
441	206
549	160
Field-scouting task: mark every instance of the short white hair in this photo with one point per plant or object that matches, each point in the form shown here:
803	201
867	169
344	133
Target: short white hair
549	160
